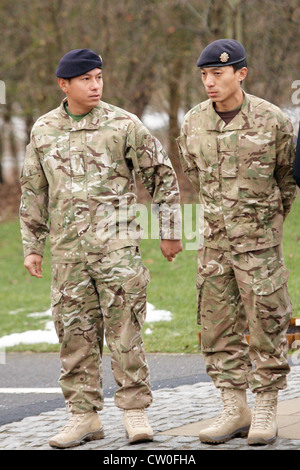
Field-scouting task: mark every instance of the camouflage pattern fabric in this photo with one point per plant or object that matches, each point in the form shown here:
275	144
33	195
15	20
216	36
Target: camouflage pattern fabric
78	186
87	299
236	291
242	172
80	177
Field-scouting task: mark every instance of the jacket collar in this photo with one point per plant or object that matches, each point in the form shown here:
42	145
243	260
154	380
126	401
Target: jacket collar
243	120
90	121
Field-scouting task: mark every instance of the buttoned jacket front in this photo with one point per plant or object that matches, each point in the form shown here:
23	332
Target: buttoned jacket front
242	172
78	181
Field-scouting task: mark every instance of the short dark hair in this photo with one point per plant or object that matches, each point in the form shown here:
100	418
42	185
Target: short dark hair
239	65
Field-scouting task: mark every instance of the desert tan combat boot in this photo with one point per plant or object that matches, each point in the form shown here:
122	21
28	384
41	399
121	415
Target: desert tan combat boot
234	420
137	426
264	428
81	427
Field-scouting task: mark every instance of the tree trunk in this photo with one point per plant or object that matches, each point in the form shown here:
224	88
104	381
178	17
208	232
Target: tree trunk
20	137
8	162
174	104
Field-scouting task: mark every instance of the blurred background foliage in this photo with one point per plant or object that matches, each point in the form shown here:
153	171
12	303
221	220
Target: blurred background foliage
149	49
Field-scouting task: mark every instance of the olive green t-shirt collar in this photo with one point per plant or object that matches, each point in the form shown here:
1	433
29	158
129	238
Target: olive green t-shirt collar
76	117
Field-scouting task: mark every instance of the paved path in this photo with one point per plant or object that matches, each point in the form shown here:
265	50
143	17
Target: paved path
176	415
39	372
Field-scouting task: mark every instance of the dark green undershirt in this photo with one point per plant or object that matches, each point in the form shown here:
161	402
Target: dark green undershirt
76	117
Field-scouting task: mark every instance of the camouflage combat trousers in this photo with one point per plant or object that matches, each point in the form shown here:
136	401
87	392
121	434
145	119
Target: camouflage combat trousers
239	290
88	299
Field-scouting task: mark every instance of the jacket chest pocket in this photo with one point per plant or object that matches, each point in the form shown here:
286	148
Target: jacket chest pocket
203	147
58	172
107	171
257	160
227	154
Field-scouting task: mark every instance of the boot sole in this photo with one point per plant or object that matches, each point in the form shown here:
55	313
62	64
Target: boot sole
142	437
241	432
91	436
260	441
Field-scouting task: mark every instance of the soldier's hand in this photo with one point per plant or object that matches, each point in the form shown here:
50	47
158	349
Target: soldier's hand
170	248
33	264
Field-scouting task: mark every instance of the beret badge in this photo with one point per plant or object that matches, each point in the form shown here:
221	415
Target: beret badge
224	57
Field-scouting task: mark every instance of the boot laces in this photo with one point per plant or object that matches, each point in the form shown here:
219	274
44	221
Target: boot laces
264	411
73	422
137	417
229	407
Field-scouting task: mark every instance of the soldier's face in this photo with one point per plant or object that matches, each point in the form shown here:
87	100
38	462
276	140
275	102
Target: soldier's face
83	92
223	86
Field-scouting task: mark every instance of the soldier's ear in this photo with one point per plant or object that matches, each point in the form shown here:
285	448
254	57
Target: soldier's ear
62	82
242	73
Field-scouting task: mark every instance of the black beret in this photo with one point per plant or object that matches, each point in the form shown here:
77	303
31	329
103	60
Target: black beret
222	52
78	62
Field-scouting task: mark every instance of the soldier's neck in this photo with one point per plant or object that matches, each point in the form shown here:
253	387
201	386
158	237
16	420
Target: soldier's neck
232	103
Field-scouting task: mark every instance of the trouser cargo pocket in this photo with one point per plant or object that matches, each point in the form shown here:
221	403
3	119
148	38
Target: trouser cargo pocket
273	301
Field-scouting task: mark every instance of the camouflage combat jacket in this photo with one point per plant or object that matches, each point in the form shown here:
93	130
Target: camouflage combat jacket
78	183
242	172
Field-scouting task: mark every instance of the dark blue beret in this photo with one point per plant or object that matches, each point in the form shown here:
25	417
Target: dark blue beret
78	62
222	52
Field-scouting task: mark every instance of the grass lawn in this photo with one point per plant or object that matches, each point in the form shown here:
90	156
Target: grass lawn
172	288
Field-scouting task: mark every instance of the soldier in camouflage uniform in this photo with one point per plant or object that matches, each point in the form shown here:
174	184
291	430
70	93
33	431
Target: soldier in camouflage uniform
78	186
237	150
